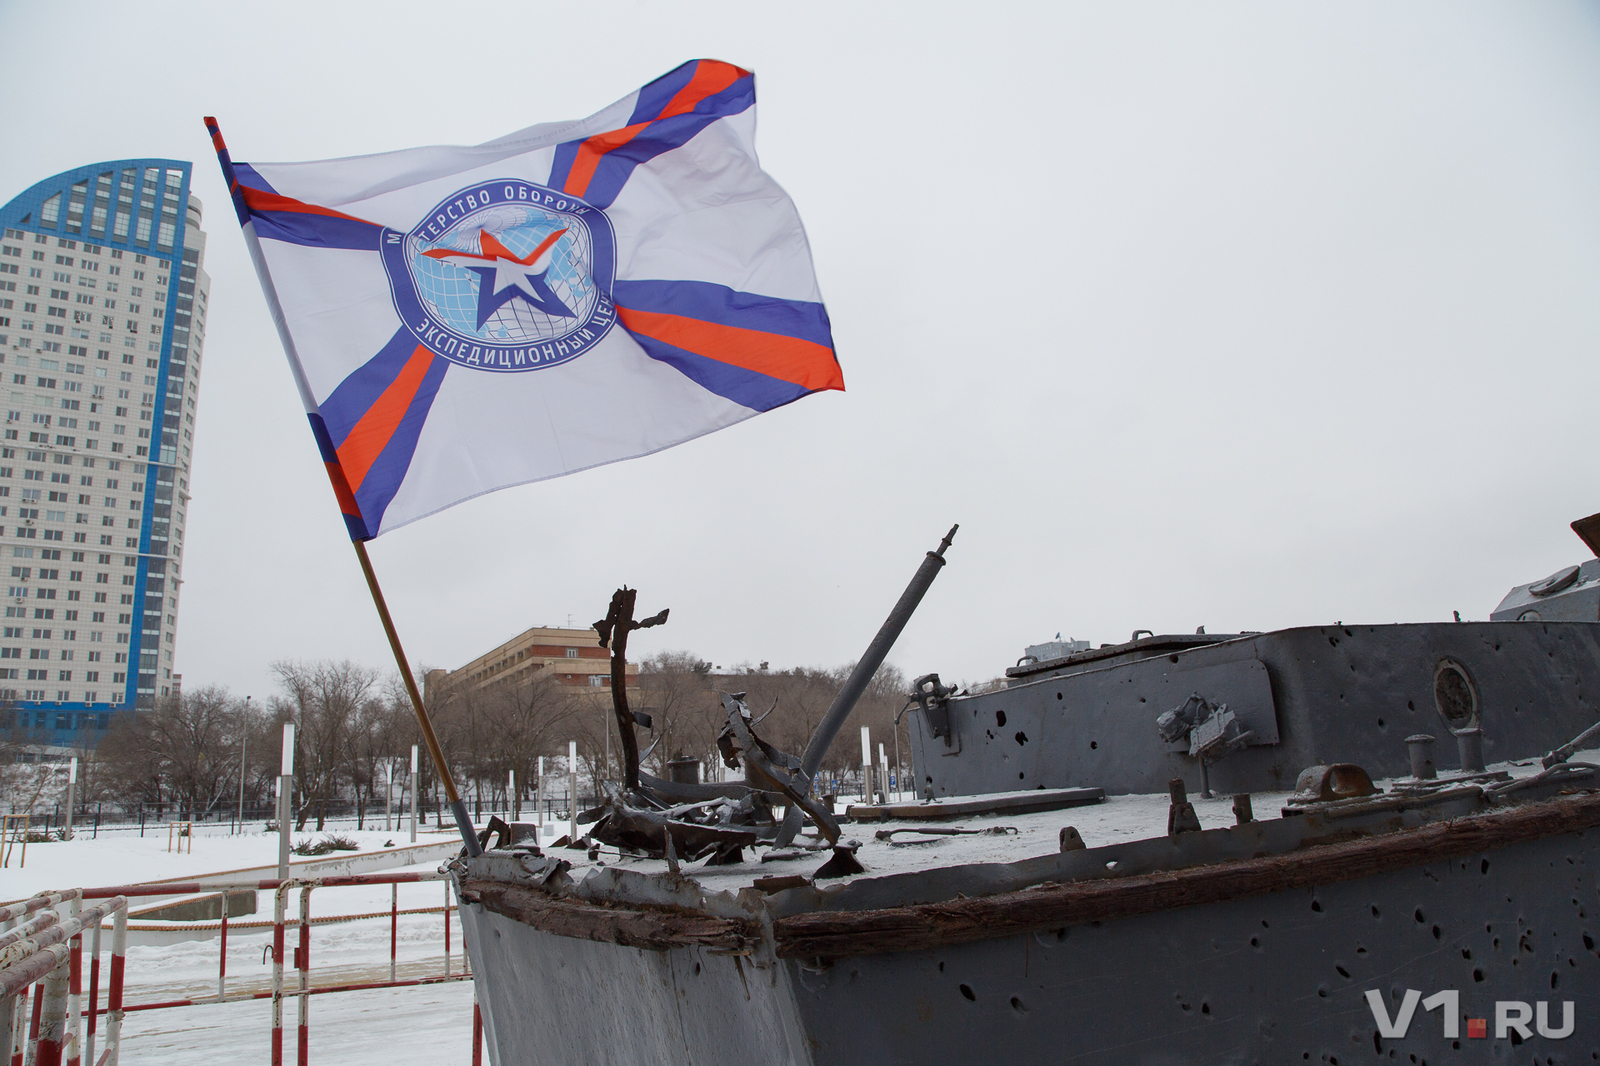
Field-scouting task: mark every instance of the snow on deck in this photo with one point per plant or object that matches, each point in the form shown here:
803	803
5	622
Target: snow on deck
1116	820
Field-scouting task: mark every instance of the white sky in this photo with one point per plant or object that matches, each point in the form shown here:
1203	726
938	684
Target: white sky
1236	315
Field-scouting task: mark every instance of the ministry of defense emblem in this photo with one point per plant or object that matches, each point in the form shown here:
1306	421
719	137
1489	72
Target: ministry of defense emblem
505	275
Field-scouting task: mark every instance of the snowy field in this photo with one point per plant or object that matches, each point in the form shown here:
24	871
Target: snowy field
428	1024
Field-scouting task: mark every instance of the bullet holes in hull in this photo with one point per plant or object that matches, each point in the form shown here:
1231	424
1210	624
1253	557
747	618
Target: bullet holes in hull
1000	719
966	990
1022	738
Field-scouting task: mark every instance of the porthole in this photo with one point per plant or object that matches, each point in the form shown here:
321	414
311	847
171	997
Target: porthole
1455	695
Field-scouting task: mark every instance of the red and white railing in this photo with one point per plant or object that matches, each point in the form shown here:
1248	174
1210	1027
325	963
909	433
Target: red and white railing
42	953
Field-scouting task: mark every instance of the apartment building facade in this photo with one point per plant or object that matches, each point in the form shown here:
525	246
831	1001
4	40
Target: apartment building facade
103	299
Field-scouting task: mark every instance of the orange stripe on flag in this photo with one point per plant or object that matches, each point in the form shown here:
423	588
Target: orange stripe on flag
341	491
371	434
258	200
589	154
805	363
710	77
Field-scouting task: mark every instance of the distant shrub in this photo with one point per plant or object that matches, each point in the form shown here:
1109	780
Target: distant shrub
330	842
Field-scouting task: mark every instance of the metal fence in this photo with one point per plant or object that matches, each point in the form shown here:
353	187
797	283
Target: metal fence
41	954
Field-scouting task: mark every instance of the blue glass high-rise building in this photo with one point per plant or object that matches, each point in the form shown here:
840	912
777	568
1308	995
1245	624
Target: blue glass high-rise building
103	297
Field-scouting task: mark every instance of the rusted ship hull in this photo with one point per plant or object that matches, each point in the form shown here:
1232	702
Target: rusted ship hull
1255	944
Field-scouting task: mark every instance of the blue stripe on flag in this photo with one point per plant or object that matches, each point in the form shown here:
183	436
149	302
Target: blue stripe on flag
616	166
352	522
744	387
384	477
251	178
316	231
727	307
561	166
357	393
654	98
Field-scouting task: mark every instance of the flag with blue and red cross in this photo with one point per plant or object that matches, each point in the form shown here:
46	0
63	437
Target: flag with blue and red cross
464	319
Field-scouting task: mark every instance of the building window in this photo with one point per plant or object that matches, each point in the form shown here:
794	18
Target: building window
572	653
595	680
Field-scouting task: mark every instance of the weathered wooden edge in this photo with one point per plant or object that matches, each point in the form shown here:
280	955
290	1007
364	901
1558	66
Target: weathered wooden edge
840	934
655	929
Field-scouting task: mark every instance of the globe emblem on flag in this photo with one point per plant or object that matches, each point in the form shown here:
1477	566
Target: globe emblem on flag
505	275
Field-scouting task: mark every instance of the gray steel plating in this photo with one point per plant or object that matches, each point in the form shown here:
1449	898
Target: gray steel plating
1343	693
1264	979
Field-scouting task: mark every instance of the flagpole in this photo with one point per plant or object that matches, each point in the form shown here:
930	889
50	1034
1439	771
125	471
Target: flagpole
469	834
458	806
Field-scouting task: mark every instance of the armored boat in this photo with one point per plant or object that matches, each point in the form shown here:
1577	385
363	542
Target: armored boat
1331	844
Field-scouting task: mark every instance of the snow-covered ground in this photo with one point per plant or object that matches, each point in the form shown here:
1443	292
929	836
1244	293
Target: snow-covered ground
423	1025
125	858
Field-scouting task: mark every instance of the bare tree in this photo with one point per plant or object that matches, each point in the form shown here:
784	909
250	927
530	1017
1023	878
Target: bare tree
324	700
184	752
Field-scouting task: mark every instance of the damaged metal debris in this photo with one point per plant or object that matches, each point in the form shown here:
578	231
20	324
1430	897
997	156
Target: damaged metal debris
683	821
1213	733
645	820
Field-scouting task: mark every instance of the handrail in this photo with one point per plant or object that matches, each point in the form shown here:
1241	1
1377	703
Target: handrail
41	950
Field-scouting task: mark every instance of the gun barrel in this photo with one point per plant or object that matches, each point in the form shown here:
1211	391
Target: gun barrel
873	657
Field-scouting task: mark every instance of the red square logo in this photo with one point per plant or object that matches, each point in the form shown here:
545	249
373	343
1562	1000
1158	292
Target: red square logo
1477	1028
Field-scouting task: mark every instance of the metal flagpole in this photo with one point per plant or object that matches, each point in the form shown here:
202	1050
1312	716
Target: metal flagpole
458	807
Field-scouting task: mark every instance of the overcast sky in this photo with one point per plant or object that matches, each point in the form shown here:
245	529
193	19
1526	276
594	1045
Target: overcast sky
1236	315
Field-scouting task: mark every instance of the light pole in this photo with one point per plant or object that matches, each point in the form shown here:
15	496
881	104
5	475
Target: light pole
866	765
72	790
572	791
285	792
388	796
413	793
244	745
243	749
